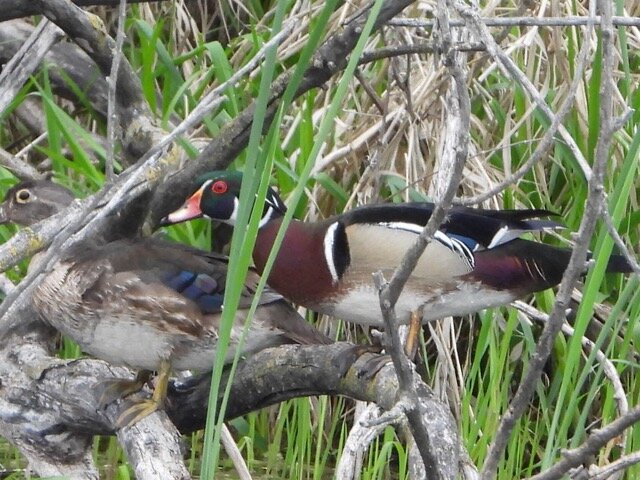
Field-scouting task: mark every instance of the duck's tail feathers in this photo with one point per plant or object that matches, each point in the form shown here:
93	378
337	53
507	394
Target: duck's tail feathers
619	264
525	266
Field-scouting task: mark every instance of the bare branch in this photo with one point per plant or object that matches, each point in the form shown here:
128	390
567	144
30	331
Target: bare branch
16	72
112	82
523	22
86	29
19	168
165	459
234	454
550	135
63	397
66	61
509	68
459	112
609	369
420	48
6	285
360	437
608	471
11	9
597	439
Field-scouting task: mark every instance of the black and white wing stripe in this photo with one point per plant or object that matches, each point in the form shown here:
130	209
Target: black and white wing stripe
452	243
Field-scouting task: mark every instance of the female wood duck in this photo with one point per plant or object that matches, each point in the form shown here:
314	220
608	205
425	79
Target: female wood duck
476	260
147	303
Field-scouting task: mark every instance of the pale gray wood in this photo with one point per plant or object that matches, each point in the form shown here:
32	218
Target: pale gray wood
26	60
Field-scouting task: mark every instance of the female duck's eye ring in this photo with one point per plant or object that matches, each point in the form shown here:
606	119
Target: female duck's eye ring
23	196
219	187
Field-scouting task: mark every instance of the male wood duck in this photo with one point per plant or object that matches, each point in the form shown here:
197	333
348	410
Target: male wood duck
475	261
147	304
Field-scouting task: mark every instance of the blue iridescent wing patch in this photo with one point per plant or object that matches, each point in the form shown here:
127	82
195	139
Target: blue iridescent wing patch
201	288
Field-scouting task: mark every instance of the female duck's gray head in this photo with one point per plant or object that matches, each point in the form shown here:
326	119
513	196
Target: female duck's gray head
30	201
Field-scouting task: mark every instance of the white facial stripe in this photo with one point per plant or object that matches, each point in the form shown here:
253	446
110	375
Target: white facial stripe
329	240
234	215
205	186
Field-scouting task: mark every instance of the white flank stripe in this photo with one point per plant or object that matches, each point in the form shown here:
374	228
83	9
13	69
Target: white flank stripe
444	239
464	252
329	240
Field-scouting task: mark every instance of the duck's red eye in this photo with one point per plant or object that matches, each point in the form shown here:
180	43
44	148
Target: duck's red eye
219	187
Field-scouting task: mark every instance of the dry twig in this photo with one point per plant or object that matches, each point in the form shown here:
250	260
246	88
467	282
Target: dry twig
16	72
597	439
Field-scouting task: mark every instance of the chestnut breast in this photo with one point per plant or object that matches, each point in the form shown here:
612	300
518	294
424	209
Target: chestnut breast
300	272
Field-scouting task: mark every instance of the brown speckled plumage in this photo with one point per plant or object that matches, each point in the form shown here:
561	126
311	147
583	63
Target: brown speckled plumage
139	302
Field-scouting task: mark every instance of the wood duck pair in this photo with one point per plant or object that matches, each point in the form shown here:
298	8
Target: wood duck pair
476	260
147	304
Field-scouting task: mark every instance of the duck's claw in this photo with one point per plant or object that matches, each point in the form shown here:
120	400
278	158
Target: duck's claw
113	390
141	408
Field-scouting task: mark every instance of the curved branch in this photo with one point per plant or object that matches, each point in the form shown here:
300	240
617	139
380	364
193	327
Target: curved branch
62	397
68	58
12	9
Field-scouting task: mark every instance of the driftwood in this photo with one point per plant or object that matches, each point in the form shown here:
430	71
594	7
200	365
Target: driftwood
49	407
65	60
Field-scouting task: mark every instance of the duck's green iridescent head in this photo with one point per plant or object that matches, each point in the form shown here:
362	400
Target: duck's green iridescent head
217	198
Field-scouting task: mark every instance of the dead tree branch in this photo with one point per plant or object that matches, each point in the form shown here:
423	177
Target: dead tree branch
26	60
523	22
579	456
61	397
12	9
